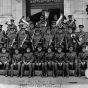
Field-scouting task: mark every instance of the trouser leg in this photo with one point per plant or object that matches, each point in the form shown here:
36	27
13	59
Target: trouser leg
12	66
7	68
46	72
30	69
22	69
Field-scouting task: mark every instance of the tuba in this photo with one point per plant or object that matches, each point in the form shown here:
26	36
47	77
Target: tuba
59	21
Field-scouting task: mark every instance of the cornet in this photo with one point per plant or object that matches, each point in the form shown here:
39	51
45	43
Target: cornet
12	42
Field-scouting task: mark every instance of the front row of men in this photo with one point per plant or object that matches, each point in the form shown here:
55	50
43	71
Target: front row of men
47	61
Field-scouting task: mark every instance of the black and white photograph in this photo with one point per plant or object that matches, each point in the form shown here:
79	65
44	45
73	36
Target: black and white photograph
43	43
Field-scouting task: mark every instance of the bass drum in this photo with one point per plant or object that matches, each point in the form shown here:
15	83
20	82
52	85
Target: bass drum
86	73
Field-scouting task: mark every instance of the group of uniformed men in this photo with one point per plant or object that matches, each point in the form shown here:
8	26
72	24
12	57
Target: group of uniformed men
48	48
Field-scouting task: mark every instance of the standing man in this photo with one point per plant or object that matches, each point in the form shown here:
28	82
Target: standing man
11	25
23	40
2	38
60	39
71	23
81	38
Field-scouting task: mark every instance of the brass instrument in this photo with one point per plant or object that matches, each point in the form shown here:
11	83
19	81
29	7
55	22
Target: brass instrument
73	21
59	21
12	42
73	35
50	42
23	41
61	41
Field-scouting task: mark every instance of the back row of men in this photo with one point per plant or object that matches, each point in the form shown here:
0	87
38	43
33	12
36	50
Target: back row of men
44	36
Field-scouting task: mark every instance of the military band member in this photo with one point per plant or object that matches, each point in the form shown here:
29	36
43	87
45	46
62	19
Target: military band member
60	39
28	19
59	61
2	38
49	61
83	59
12	40
43	27
53	28
23	39
16	62
11	25
70	39
31	29
20	25
48	39
39	58
71	60
28	59
81	38
5	60
37	39
71	23
41	19
55	18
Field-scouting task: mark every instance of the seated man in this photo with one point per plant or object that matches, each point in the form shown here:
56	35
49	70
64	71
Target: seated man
83	60
71	60
39	59
28	59
16	62
5	60
49	61
59	61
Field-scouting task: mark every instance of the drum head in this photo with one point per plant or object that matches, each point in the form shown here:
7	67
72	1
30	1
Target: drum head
86	73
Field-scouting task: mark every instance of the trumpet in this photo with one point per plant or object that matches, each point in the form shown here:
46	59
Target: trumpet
23	41
12	42
73	35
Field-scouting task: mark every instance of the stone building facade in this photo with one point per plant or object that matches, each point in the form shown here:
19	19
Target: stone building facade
17	8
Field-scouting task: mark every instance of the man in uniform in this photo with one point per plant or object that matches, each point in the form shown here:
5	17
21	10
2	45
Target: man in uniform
2	38
39	59
12	40
49	61
81	38
71	39
71	23
5	60
37	39
53	28
23	40
60	39
48	39
43	27
59	61
16	62
83	60
28	59
11	25
39	22
72	61
31	29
